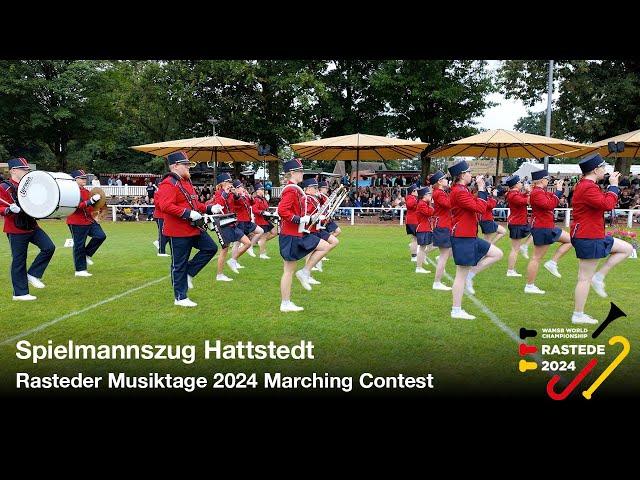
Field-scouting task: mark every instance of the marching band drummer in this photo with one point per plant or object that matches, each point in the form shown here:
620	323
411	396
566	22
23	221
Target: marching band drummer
441	225
242	209
258	207
223	200
21	230
424	235
180	206
519	231
82	225
313	205
331	226
295	245
412	222
544	230
470	253
588	235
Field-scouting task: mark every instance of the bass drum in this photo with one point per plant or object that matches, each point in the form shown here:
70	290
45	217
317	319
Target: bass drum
48	194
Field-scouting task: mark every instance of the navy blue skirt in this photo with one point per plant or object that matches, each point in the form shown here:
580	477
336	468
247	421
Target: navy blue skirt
246	227
231	234
266	228
590	248
468	251
323	234
331	226
442	237
545	236
294	248
411	228
488	226
519	231
424	238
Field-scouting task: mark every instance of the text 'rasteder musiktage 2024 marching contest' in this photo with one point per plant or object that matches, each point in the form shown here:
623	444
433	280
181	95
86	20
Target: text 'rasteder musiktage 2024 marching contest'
188	354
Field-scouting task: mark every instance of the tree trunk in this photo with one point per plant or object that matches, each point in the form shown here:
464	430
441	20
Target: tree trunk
425	166
348	168
623	165
274	173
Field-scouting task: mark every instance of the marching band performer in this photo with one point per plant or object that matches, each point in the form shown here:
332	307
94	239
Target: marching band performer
225	200
588	234
424	235
490	228
242	209
162	240
258	207
544	230
180	206
331	226
442	225
470	253
519	231
294	244
313	204
82	225
411	220
21	230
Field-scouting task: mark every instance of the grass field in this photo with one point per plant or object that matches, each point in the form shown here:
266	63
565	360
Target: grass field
372	313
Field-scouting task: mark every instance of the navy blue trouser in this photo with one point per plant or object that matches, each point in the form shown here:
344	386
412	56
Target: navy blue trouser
162	239
19	243
181	266
80	251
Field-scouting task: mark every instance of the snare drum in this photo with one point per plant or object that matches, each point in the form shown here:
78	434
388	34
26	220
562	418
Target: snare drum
48	194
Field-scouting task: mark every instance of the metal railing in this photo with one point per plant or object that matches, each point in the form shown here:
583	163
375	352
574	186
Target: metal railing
123	191
351	213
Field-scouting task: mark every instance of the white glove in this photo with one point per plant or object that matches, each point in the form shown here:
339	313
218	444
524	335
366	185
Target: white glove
193	215
305	219
14	208
95	198
217	208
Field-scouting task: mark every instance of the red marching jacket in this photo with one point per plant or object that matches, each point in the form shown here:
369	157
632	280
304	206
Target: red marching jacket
242	207
157	210
589	204
290	209
442	207
412	203
259	205
466	210
82	215
424	211
518	207
488	213
171	197
9	216
542	205
225	200
313	204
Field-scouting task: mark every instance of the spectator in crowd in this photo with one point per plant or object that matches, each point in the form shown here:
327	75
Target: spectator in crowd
151	189
118	182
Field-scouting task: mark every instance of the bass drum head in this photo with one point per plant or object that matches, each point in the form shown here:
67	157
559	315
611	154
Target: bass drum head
38	194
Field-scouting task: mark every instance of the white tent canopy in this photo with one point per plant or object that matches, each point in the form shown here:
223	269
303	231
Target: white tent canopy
527	167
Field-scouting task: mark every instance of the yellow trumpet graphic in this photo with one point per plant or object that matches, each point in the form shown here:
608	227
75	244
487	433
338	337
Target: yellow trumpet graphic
612	366
523	366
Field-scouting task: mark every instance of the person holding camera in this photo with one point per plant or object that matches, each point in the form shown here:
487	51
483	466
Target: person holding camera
21	230
588	233
543	229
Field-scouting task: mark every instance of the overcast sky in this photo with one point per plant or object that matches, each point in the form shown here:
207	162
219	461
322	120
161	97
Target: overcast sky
507	112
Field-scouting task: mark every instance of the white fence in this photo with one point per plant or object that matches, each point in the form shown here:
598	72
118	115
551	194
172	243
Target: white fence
352	212
123	191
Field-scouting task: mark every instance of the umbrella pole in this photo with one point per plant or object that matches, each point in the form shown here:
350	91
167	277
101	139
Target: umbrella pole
357	169
215	167
498	163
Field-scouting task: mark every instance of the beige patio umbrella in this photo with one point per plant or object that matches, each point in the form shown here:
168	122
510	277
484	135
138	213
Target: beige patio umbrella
209	149
359	146
506	144
631	146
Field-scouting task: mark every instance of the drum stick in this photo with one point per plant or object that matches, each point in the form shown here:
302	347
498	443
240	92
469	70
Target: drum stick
5	202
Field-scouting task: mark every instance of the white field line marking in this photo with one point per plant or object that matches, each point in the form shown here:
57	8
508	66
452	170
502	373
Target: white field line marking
492	316
78	312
